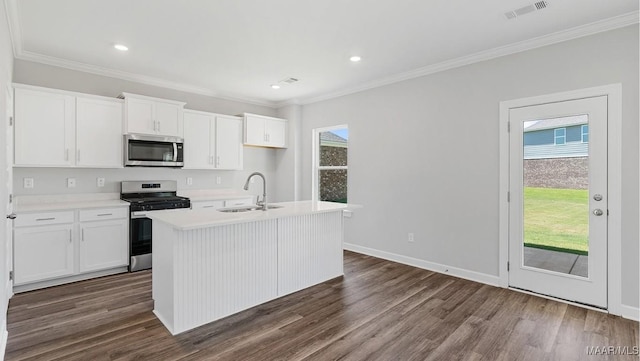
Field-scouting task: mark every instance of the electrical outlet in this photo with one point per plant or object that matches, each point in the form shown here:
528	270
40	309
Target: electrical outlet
253	179
218	180
71	182
27	183
189	181
100	182
410	238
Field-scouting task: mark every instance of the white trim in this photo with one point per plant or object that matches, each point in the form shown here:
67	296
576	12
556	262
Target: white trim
613	23
65	280
429	266
630	313
4	337
558	300
614	268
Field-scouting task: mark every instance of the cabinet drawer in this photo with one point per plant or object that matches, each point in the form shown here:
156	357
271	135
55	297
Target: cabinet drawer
40	219
207	205
239	202
103	214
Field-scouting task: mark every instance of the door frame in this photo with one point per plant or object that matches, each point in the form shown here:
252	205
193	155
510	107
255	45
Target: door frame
614	158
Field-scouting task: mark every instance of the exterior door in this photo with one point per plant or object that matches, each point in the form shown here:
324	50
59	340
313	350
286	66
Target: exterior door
558	199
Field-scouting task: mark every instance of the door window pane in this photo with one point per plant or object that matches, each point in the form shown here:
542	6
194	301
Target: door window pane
556	195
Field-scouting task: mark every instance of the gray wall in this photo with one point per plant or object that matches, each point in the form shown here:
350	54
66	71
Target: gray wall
424	153
6	64
53	180
289	161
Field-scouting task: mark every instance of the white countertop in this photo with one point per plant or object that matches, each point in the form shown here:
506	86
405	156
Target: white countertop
64	202
203	218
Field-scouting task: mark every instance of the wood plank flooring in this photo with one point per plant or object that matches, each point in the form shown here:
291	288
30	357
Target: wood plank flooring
379	310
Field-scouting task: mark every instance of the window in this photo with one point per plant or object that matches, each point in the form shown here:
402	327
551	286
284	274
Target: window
560	136
585	133
330	151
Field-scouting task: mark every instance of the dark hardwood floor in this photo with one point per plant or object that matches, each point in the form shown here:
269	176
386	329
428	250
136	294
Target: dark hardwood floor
380	310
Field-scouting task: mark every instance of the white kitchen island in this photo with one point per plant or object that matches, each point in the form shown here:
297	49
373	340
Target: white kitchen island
208	264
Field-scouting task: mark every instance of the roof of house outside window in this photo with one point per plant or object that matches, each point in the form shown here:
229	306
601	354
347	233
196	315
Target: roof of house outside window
332	140
556	123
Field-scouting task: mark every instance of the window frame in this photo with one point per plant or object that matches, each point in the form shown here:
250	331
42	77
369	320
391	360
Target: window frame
563	136
583	133
315	156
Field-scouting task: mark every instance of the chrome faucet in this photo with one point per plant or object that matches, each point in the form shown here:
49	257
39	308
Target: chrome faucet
263	204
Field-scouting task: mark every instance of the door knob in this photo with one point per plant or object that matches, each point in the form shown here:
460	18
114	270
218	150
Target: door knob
11	216
598	212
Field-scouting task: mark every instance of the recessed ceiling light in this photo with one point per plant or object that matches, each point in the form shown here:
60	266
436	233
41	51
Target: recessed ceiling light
121	47
275	86
355	59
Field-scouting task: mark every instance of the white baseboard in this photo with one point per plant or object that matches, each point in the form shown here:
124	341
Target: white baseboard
430	266
629	312
4	336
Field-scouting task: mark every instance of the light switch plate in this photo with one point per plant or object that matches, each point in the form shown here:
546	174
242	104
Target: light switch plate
27	183
71	182
189	181
100	182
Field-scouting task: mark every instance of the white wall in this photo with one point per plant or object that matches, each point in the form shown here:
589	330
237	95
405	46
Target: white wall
6	66
424	153
53	180
289	160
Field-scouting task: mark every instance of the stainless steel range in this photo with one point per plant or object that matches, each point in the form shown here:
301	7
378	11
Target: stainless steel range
145	197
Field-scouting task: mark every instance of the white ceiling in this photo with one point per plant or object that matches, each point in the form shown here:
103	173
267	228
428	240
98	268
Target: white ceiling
238	48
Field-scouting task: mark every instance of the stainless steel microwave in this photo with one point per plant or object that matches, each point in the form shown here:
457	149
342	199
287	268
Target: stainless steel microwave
153	151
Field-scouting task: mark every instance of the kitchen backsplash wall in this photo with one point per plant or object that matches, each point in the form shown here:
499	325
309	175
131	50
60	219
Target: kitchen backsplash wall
54	180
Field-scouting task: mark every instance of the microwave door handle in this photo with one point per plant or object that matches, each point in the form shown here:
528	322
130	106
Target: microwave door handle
175	151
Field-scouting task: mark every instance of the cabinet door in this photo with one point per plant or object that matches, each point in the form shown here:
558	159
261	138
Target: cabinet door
276	131
197	141
98	133
140	116
168	119
254	130
103	245
228	143
44	128
42	253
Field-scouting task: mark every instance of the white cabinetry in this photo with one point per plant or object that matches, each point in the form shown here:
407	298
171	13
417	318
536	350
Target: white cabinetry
103	239
212	141
62	129
44	128
98	133
265	131
207	205
146	115
59	247
43	247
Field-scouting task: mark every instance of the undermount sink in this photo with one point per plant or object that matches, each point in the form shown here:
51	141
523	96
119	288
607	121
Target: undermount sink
247	208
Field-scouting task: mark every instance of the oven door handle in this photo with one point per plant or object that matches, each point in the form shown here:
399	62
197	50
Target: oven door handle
140	214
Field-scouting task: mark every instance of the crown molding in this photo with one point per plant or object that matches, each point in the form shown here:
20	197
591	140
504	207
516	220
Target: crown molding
15	31
554	38
138	78
561	36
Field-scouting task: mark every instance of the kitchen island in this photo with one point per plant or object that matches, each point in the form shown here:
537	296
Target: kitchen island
209	264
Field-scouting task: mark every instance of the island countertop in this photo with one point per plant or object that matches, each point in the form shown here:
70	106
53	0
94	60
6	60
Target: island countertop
203	218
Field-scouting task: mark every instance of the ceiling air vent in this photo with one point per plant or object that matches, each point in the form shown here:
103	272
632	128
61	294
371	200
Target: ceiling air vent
526	9
288	80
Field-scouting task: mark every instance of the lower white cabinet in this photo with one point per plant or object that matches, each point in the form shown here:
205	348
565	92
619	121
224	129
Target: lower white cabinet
57	246
43	252
103	245
207	204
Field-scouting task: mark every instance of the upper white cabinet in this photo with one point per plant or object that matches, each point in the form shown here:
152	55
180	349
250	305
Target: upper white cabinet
212	141
146	115
98	133
44	128
54	128
263	131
